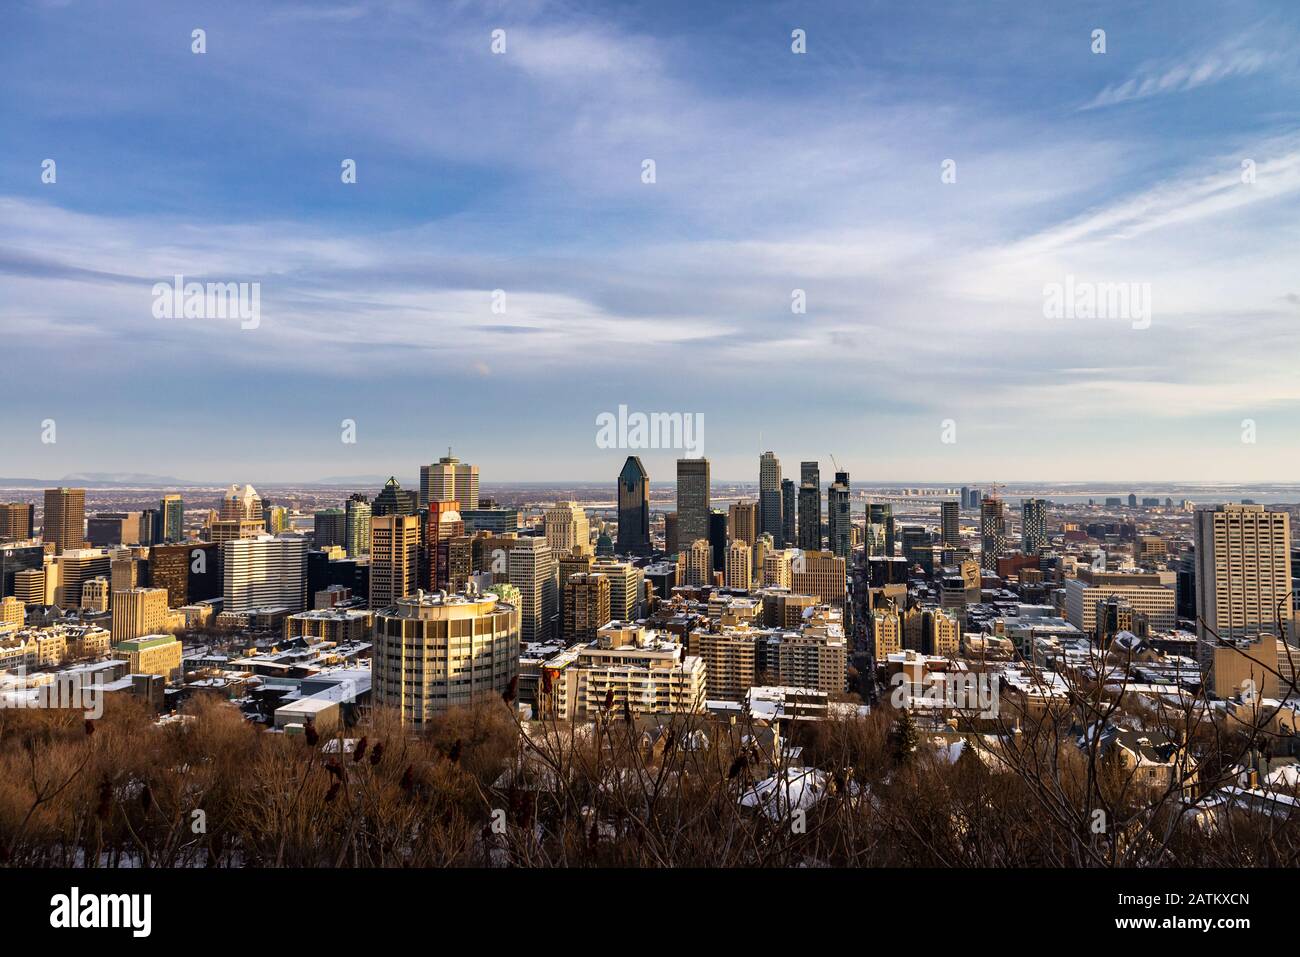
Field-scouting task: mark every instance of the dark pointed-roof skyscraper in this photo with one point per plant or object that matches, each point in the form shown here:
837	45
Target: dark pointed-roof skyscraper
633	508
394	500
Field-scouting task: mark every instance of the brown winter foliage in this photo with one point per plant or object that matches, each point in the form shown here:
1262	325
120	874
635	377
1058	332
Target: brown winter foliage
479	789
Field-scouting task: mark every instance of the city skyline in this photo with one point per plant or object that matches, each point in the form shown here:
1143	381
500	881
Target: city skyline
819	174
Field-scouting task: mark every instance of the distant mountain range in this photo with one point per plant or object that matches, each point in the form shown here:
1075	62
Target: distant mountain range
101	480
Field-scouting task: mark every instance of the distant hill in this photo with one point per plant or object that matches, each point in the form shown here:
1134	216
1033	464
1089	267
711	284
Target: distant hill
102	480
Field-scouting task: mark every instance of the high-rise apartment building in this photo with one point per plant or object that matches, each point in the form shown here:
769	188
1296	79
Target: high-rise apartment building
171	519
769	497
586	606
436	651
881	516
264	572
695	564
838	520
275	519
626	666
356	523
1243	577
950	523
810	517
731	661
739	565
993	532
533	571
449	479
633	508
63	521
886	633
942	633
394	558
626	585
789	512
776	565
810	474
815	656
693	500
1033	525
138	612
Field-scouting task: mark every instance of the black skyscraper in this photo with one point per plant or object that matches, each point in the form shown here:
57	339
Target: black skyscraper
789	511
718	539
394	500
810	518
633	508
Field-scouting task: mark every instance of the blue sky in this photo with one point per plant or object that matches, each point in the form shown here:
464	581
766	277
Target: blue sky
774	172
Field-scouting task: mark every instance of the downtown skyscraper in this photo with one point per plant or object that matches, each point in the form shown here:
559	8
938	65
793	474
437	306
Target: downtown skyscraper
64	520
357	525
449	478
633	508
810	518
950	522
533	571
993	532
693	501
838	522
810	506
1243	576
789	512
769	496
171	520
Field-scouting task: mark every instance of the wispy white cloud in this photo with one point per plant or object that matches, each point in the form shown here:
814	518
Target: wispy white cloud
1179	76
